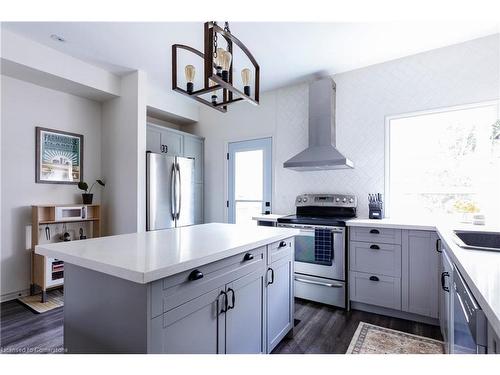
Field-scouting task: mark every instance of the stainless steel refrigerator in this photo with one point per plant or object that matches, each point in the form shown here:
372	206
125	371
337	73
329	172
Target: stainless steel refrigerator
170	197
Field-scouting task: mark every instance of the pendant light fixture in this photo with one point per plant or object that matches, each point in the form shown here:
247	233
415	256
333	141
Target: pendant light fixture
218	65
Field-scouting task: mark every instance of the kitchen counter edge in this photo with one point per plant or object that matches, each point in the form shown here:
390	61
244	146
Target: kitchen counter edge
157	274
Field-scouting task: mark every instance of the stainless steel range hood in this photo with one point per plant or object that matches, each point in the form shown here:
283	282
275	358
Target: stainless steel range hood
321	153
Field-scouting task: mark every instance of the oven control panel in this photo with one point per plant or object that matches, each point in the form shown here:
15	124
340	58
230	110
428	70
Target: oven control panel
326	200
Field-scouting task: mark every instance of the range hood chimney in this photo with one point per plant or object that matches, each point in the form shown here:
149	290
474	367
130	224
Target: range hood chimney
321	153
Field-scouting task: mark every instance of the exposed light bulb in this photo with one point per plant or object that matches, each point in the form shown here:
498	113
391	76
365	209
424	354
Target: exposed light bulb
218	60
246	76
226	64
226	60
190	72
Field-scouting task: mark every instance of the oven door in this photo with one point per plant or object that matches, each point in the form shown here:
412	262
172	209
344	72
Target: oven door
305	262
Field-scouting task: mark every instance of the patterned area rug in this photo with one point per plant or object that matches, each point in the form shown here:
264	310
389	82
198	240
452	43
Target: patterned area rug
372	339
55	299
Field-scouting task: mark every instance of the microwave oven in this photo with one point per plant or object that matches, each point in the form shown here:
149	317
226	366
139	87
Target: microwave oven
70	213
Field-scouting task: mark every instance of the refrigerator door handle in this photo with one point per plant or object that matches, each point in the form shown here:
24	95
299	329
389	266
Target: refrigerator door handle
173	195
179	192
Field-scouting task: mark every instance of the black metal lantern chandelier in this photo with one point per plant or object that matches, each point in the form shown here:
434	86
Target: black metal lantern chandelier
218	71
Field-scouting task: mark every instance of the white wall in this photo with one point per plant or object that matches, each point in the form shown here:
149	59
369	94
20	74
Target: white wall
454	75
25	106
30	61
124	157
162	98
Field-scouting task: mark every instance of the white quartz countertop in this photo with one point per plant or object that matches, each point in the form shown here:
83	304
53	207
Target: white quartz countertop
269	217
149	256
401	223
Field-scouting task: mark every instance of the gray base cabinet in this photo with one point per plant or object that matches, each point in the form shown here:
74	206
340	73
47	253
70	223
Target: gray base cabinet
193	327
236	305
279	294
394	269
420	267
245	325
493	341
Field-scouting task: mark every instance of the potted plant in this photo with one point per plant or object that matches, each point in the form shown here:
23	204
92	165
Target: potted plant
88	196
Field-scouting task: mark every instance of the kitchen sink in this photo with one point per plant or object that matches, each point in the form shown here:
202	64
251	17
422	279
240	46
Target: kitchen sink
478	240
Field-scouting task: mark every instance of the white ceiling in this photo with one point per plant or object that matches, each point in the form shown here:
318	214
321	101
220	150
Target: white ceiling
286	52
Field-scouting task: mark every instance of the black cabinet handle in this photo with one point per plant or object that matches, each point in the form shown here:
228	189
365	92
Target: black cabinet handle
282	244
195	275
374	231
272	276
375	247
438	245
232	298
247	257
374	278
443	276
225	308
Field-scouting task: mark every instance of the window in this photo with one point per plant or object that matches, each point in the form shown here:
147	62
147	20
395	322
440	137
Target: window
444	163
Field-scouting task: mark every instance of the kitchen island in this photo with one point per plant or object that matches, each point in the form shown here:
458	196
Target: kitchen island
211	288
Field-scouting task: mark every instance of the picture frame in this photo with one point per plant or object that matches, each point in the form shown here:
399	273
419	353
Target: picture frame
59	156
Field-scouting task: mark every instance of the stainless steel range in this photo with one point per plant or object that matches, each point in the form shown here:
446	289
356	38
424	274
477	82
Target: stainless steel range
320	249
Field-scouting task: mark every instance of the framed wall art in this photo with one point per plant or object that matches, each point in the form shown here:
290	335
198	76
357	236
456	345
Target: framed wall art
59	157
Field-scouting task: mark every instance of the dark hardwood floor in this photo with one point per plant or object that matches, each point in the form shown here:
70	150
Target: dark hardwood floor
320	329
24	331
323	329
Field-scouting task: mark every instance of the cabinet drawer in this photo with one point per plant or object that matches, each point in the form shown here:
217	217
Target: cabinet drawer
175	290
280	249
381	235
375	289
377	258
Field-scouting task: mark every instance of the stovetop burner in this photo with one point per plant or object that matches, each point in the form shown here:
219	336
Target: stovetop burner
322	209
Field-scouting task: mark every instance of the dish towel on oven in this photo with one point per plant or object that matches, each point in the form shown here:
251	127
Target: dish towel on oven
323	245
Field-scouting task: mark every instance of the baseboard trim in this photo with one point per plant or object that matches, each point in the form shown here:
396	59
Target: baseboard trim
14	295
394	313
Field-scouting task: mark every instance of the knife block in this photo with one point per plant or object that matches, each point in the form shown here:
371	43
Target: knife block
376	210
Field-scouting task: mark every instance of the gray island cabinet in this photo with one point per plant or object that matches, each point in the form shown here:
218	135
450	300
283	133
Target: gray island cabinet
237	299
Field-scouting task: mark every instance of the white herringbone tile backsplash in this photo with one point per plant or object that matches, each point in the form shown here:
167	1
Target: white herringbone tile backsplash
460	74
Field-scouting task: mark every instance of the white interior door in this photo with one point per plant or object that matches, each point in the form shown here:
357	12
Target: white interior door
249	179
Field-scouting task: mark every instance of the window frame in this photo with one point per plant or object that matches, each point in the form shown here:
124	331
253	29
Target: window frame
387	138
